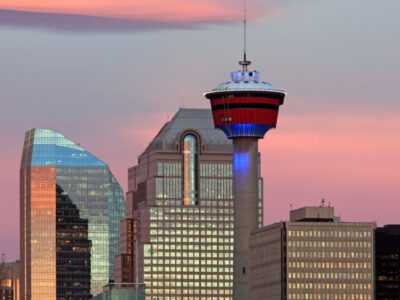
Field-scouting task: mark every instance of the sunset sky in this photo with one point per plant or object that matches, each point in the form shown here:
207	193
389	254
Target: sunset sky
108	75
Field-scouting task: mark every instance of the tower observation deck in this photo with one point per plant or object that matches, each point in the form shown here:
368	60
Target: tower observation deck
244	108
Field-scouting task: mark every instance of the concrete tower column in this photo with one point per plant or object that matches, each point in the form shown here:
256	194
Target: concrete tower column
245	186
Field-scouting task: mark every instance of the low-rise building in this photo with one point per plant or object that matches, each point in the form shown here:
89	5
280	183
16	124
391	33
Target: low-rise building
311	257
9	281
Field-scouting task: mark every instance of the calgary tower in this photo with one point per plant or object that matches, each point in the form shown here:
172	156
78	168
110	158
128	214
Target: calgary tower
244	108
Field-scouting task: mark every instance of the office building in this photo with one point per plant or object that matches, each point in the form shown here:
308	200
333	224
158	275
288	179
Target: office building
9	281
179	232
62	183
387	260
314	256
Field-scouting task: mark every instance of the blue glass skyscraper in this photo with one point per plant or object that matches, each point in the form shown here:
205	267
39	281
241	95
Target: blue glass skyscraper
51	160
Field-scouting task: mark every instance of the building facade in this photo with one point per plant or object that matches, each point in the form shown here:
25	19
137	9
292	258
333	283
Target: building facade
314	256
387	260
9	281
179	232
73	250
58	176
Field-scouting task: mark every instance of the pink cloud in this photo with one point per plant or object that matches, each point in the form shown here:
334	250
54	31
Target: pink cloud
177	13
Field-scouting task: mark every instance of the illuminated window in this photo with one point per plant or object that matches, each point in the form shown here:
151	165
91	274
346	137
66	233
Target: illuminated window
190	170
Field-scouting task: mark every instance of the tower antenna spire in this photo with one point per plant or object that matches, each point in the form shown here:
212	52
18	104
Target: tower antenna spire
244	63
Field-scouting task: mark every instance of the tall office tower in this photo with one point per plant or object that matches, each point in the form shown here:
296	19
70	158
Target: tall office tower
314	256
9	281
244	108
180	205
57	178
387	261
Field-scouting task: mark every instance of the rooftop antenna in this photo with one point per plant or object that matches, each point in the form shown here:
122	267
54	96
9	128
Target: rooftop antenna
244	63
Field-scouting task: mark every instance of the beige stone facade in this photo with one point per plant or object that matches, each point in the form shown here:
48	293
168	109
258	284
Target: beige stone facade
313	259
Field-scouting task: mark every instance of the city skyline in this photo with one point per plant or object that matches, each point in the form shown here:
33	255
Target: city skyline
337	135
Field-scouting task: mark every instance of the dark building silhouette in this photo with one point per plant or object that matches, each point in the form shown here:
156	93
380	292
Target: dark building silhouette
387	260
73	250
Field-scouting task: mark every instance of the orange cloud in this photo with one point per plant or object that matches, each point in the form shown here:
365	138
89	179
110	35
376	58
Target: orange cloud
155	10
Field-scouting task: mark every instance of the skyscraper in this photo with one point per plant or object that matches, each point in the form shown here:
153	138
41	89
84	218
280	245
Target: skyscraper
61	183
313	256
387	260
178	238
244	108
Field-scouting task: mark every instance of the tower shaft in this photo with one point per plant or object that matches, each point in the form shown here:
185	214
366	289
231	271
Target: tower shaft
245	186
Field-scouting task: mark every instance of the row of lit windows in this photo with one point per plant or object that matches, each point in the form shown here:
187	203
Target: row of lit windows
216	188
168	188
338	265
193	255
202	247
194	283
214	283
183	293
183	255
166	262
177	224
191	272
333	296
330	232
180	232
161	238
224	219
222	215
152	297
329	254
190	232
206	203
215	170
176	278
335	276
166	240
191	211
169	169
321	244
330	286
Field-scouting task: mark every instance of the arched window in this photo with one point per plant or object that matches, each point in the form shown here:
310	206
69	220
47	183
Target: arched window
190	169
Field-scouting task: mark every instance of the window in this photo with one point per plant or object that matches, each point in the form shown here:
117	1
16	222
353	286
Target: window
190	170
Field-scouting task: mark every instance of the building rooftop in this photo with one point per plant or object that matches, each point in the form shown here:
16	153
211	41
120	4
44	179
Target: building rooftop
313	214
248	81
51	148
199	120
